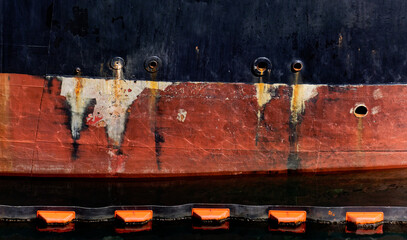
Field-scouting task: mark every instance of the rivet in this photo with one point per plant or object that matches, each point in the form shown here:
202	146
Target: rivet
117	63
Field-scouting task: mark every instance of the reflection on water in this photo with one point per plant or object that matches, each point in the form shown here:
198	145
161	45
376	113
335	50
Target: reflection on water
339	189
184	230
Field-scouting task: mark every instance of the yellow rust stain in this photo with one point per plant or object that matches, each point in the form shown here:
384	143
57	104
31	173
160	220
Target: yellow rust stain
4	122
117	87
78	89
300	94
261	70
262	98
340	40
101	69
360	133
260	93
153	85
263	93
296	105
359	145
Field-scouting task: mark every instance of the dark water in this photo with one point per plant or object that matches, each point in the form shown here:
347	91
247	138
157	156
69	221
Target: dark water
372	188
184	230
377	188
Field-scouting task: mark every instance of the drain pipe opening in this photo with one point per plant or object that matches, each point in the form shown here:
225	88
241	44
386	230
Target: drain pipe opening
360	111
152	64
261	65
296	66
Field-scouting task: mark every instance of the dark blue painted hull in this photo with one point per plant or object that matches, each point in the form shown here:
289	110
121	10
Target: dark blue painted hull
339	42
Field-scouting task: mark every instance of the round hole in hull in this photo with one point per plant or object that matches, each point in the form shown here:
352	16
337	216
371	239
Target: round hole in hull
261	65
360	111
152	64
296	66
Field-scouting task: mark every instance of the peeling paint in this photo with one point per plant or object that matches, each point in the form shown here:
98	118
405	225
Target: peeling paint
113	98
264	93
301	94
182	115
375	110
95	120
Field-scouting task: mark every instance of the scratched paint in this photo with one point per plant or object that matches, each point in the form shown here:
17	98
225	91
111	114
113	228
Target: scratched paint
113	99
377	94
375	110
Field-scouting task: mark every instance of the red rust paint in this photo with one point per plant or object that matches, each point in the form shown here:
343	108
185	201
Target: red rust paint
222	129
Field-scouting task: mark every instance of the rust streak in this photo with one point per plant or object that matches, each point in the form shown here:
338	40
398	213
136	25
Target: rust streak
360	134
294	101
78	89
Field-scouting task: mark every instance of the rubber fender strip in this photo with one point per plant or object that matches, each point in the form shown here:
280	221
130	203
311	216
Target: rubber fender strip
293	217
134	216
360	218
211	214
178	212
56	217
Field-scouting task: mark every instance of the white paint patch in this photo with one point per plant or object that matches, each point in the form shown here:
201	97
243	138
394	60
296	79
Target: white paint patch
377	94
182	115
264	92
375	110
301	94
113	98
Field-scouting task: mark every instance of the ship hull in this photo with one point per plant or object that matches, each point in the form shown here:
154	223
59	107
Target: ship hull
162	129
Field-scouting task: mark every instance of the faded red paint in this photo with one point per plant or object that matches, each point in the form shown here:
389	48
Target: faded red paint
220	134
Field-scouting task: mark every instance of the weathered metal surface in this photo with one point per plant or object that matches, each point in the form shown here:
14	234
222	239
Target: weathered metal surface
222	87
339	42
80	126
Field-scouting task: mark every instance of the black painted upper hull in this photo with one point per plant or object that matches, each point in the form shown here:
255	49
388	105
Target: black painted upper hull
339	42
